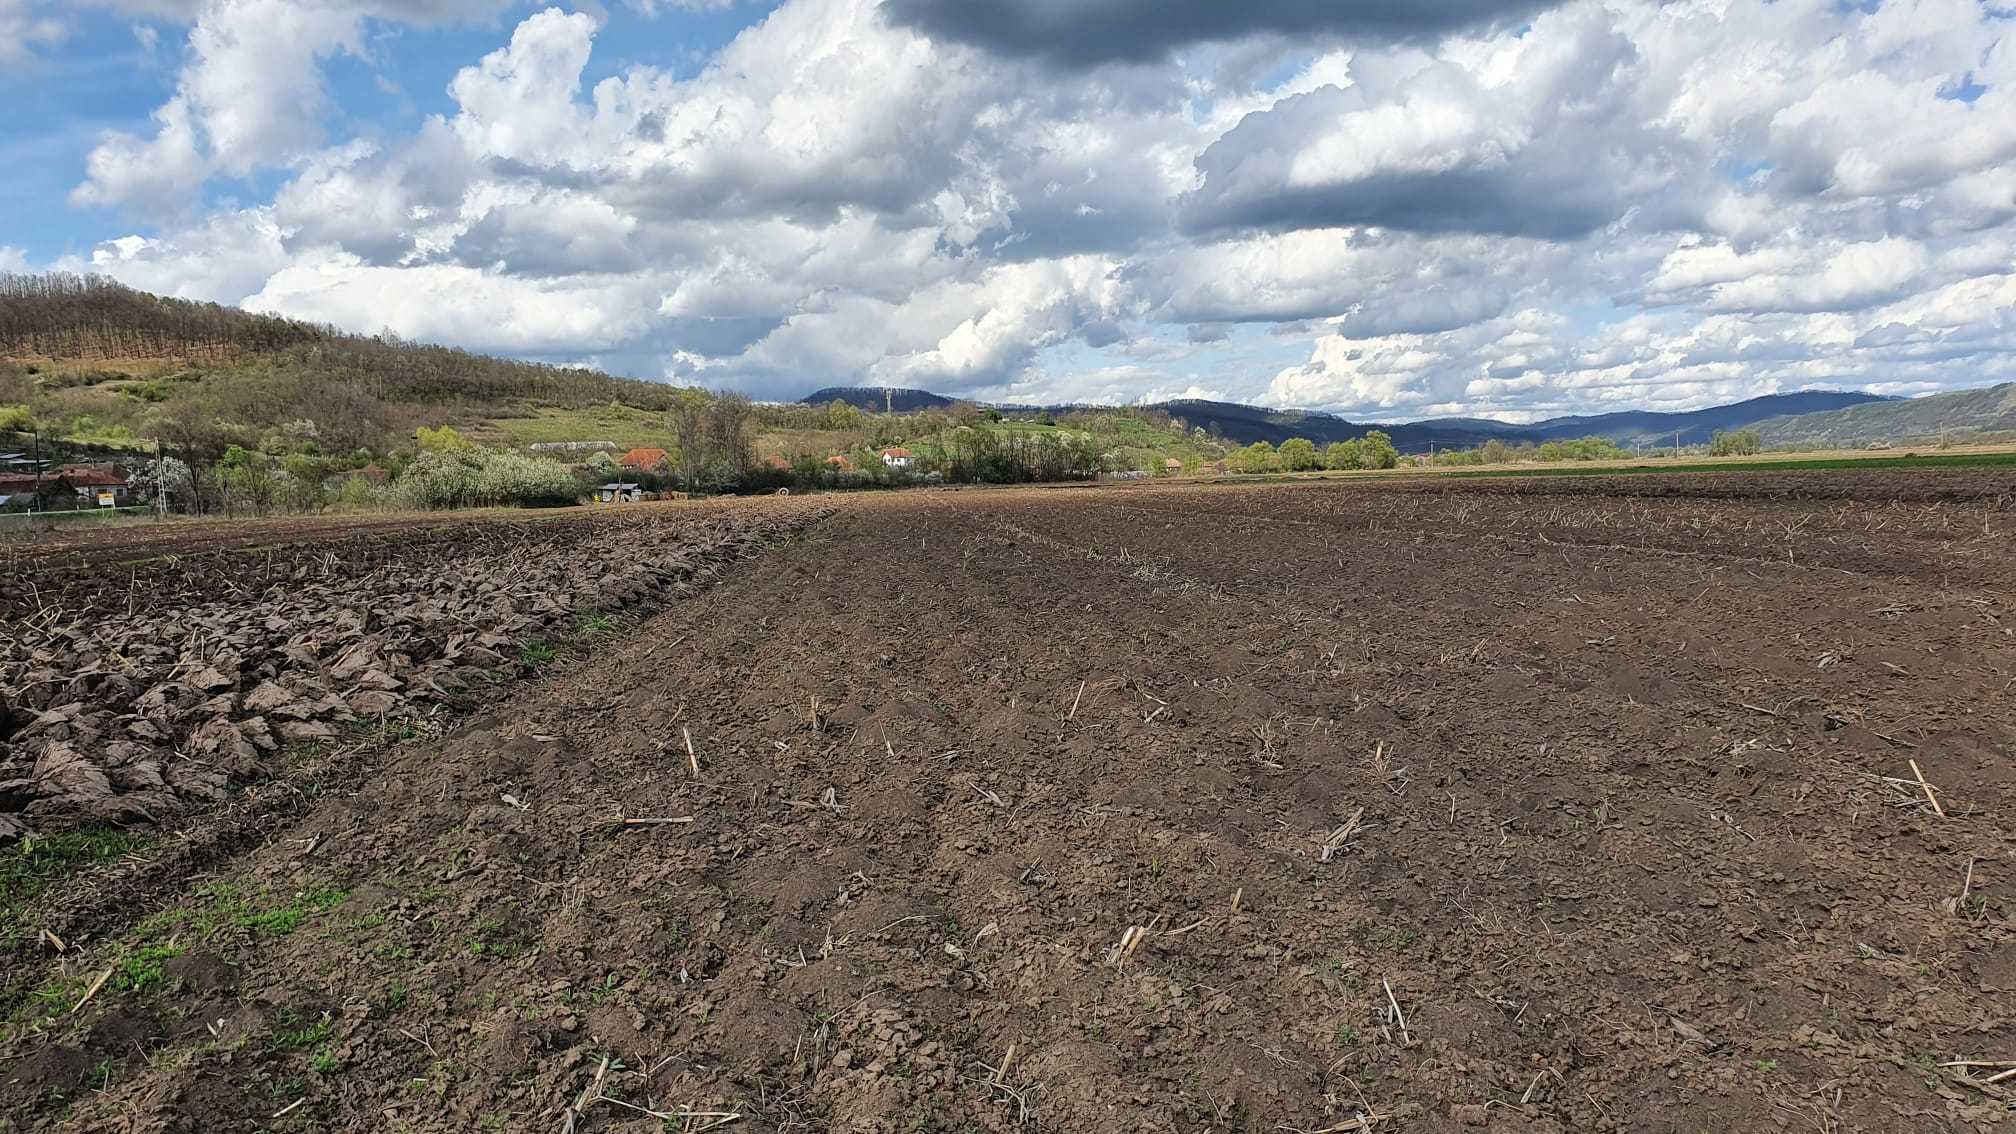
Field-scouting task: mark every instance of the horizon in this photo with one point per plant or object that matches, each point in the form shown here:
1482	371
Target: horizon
1500	209
1481	415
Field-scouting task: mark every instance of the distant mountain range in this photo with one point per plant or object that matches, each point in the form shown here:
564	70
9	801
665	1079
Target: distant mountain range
1958	415
1246	424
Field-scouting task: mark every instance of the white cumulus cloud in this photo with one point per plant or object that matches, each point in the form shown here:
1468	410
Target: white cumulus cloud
1518	208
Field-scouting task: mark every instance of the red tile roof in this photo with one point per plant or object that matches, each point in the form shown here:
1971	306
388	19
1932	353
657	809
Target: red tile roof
643	458
92	478
897	452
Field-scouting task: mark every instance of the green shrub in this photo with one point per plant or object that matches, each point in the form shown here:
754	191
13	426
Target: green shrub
358	493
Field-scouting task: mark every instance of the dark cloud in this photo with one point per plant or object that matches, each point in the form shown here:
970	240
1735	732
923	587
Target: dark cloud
1082	33
716	337
1103	333
1497	201
1555	156
536	240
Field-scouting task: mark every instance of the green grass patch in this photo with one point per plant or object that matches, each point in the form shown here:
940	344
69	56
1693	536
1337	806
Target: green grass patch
222	909
140	968
536	653
293	1035
25	1003
281	920
626	427
494	938
29	868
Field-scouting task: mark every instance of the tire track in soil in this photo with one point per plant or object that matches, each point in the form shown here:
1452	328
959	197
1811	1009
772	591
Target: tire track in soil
1606	894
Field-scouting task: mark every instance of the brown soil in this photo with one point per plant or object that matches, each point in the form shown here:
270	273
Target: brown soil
1631	848
138	689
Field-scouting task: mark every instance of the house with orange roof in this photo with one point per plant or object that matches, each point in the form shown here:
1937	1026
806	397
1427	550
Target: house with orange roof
646	460
898	458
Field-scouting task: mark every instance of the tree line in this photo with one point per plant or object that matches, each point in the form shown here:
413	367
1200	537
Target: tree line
1299	454
61	315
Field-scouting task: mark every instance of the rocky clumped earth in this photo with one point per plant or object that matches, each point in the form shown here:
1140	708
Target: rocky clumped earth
131	692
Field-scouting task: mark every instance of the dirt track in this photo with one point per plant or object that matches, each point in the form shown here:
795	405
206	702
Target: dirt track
1624	854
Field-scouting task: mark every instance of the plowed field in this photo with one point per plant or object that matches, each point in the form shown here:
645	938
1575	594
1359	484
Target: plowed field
1508	806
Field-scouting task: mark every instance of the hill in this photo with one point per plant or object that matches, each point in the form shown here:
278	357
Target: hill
1695	426
1247	424
1959	416
1244	424
878	399
91	361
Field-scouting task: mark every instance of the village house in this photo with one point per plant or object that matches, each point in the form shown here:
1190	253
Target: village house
17	492
68	487
619	494
102	486
646	460
1172	467
898	458
838	462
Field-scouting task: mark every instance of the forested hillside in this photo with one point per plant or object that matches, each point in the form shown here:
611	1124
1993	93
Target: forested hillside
88	359
91	318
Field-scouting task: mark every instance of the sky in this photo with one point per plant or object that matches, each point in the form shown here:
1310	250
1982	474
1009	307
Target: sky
1508	208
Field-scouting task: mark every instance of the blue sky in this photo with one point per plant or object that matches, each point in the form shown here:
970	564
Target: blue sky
113	67
1497	207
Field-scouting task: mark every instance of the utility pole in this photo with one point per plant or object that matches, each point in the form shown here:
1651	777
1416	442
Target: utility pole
160	482
35	502
1676	444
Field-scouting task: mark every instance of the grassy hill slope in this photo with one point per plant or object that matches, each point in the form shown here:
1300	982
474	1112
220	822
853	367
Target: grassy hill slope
90	360
1964	415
